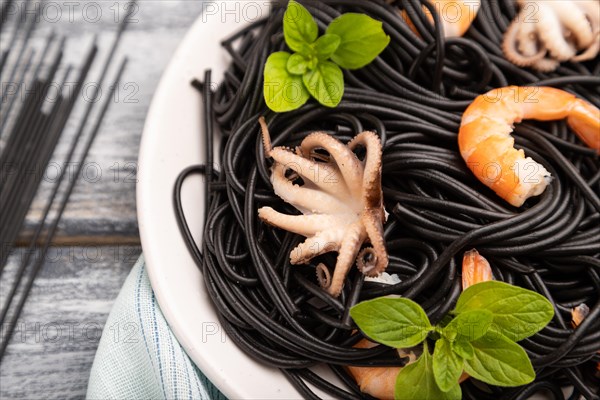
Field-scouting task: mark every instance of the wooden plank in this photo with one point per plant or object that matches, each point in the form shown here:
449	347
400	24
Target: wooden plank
53	348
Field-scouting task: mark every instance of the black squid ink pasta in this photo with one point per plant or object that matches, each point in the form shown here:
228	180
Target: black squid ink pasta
412	96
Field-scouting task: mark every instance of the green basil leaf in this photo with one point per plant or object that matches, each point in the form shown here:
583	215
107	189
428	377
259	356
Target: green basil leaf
469	325
416	381
299	28
281	90
447	365
297	64
395	322
326	45
463	348
518	313
325	83
362	39
499	361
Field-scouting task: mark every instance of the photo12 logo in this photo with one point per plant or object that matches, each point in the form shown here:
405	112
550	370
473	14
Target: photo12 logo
62	332
72	11
235	11
91	92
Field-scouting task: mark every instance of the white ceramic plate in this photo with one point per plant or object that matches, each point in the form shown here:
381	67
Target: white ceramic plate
172	141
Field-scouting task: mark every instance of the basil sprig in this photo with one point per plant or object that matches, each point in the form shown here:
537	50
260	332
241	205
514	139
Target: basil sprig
478	338
351	41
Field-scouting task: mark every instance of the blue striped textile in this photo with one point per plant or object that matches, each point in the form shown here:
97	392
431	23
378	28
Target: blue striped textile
138	356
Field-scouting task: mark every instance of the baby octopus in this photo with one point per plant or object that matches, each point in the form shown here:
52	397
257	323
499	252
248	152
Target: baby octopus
341	201
547	32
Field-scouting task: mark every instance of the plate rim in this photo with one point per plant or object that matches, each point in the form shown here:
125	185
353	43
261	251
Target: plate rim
151	216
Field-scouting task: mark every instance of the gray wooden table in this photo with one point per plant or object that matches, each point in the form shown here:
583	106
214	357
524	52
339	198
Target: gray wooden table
97	242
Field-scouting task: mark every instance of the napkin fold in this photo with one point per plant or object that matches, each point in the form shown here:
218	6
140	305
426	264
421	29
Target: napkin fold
138	355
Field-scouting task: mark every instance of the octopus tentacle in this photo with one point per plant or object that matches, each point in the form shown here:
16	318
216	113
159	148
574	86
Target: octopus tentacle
592	14
551	33
573	19
266	137
591	51
372	166
348	164
375	234
545	65
347	254
321	243
325	176
306	225
518	50
306	199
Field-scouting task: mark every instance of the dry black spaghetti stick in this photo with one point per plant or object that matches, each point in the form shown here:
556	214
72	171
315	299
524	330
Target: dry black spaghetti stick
21	131
70	104
29	113
110	56
20	136
5	114
25	113
29	30
13	229
13	39
63	204
45	120
39	92
59	128
28	184
12	196
2	61
121	28
4	12
4	124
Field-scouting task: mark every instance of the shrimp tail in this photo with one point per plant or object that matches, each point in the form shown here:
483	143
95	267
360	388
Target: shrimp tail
475	269
584	119
378	382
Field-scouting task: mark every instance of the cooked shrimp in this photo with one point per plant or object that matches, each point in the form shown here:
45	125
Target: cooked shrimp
487	147
456	16
379	382
475	269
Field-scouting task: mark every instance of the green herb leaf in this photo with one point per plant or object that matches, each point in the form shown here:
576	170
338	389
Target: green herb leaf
282	91
447	365
395	322
297	64
499	361
325	83
469	325
326	45
463	348
518	313
362	39
416	381
299	28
